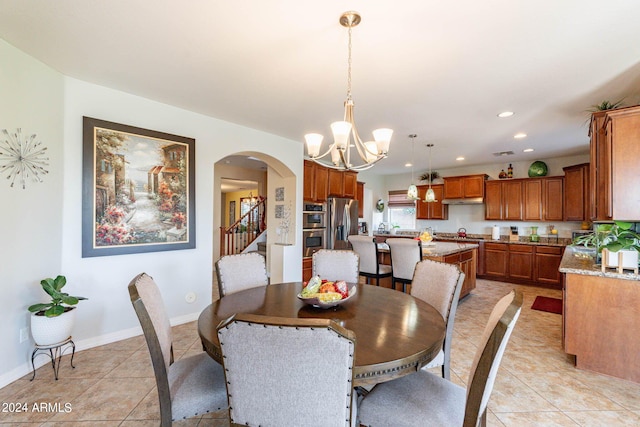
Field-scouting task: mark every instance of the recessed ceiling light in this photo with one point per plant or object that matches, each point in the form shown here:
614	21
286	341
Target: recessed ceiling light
520	135
506	114
408	165
459	158
527	150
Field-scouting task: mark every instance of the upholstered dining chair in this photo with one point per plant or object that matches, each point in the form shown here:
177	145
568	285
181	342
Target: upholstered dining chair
439	284
405	254
241	271
370	267
288	372
336	265
187	387
422	399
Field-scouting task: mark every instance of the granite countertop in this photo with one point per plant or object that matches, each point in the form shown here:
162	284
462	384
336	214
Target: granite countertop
577	261
523	240
439	248
447	248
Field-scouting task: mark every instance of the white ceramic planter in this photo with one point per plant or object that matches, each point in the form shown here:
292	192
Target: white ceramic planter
621	259
52	330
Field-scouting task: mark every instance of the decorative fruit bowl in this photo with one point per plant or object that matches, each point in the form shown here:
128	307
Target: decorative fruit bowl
326	294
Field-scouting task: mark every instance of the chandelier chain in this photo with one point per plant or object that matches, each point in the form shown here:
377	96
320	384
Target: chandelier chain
349	62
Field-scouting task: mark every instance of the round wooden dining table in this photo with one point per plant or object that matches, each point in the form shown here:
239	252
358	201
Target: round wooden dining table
396	334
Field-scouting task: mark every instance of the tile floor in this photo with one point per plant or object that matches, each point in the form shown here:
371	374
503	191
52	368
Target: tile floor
537	385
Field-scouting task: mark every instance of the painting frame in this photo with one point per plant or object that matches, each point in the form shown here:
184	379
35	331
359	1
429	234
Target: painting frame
162	197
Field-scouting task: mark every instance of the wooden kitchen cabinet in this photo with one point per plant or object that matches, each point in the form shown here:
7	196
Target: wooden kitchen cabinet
528	199
547	263
315	182
599	172
620	178
336	183
503	200
552	198
466	262
360	198
342	183
512	200
307	268
532	200
493	200
321	182
576	193
434	210
496	256
464	187
349	184
520	262
523	264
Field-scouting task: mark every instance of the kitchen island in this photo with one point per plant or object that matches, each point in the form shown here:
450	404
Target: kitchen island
464	255
600	317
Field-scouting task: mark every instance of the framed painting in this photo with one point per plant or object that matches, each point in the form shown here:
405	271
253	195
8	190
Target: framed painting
138	190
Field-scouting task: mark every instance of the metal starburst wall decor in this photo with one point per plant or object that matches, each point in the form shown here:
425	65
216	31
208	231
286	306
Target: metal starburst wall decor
22	158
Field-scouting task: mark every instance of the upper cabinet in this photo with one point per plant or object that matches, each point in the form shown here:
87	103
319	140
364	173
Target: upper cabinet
464	187
432	210
315	186
503	200
615	149
576	193
527	199
321	182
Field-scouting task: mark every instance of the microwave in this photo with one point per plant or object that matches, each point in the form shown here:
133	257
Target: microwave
313	240
314	215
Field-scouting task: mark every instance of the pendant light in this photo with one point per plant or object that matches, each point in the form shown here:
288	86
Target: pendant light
412	192
430	196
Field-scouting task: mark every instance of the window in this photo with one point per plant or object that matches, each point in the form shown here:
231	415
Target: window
404	217
402	211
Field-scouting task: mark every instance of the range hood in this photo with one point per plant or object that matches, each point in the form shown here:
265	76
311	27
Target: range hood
464	201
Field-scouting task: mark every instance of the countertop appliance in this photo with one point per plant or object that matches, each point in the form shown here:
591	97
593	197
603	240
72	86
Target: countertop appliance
342	222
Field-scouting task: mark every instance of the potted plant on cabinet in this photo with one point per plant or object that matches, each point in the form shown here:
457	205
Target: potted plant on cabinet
608	240
620	246
52	322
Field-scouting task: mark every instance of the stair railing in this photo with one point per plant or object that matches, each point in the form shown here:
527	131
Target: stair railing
235	238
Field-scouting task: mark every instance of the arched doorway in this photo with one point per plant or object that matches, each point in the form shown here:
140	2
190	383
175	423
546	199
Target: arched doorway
271	179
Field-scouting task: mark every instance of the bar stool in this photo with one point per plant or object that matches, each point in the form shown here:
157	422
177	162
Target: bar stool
370	266
405	254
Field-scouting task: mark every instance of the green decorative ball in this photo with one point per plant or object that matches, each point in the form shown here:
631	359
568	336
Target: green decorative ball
538	168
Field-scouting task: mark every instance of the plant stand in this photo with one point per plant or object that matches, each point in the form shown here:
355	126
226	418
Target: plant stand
55	352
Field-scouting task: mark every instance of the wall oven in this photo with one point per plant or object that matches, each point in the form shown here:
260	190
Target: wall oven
313	240
314	215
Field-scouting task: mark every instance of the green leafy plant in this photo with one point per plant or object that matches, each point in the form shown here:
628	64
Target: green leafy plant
60	301
620	236
615	237
606	105
429	178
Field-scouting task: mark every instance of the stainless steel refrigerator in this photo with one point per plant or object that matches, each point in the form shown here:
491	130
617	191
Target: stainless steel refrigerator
343	222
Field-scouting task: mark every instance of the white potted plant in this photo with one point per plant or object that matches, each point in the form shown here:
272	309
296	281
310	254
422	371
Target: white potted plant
52	322
620	245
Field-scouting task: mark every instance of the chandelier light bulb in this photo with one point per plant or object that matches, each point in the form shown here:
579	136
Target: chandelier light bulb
314	141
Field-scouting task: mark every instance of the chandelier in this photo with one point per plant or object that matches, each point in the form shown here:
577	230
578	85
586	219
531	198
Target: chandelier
370	152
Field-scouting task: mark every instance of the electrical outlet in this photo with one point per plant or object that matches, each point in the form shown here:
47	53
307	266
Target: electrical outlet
190	297
24	334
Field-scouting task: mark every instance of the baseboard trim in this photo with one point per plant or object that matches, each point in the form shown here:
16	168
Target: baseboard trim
85	344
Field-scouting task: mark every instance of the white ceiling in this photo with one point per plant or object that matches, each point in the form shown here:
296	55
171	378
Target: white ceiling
442	70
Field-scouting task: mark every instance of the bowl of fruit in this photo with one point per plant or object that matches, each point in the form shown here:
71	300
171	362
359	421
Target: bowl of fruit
325	294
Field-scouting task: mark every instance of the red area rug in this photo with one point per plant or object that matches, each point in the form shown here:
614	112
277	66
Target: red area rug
550	305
